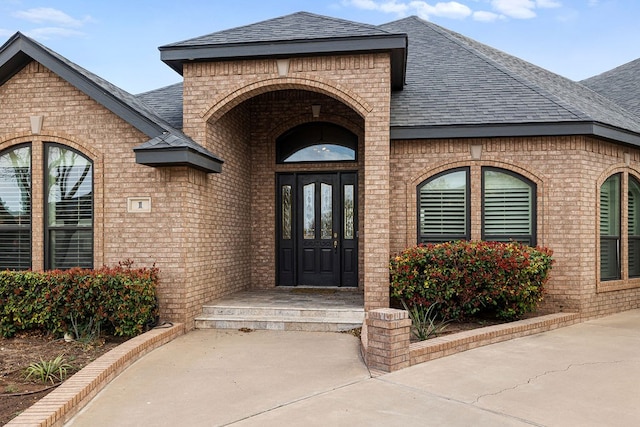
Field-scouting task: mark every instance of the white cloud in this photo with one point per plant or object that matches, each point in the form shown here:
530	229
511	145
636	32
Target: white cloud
6	33
502	9
519	9
450	9
41	15
483	16
49	32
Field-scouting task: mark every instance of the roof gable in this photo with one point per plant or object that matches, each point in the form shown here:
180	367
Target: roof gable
20	50
297	34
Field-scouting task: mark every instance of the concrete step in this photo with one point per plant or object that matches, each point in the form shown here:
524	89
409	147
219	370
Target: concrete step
280	318
255	311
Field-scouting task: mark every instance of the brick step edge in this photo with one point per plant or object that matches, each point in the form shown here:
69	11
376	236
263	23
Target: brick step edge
70	397
436	348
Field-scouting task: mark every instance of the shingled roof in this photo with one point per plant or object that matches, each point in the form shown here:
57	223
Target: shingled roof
297	34
622	85
458	87
19	50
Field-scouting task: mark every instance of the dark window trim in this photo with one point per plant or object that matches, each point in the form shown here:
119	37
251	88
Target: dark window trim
439	237
304	136
527	239
47	229
21	227
618	237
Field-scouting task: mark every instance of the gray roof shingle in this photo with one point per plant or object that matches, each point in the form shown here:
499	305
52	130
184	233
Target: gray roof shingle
621	84
166	102
296	26
455	81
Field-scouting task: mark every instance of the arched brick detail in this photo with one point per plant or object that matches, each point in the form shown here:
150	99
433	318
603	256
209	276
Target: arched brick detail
231	99
291	122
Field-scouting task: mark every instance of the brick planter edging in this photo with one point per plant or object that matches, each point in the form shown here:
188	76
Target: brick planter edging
435	348
60	405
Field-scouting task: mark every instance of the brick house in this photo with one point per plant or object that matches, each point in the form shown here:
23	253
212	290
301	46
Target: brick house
304	150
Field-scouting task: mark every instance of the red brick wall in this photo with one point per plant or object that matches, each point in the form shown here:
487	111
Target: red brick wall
568	172
353	91
73	119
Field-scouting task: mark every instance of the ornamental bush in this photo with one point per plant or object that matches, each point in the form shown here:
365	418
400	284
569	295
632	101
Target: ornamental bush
121	300
472	278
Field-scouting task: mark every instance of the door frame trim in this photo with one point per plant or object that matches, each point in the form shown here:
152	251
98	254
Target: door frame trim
294	217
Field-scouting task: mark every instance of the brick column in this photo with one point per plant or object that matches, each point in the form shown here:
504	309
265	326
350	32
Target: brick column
388	339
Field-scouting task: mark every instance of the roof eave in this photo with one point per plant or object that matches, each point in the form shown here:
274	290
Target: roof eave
516	129
178	156
396	44
19	51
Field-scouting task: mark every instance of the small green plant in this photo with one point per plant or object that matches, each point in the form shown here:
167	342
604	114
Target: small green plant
85	332
424	321
47	371
10	389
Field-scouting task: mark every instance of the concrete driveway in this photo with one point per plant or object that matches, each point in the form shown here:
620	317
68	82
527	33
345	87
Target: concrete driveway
582	375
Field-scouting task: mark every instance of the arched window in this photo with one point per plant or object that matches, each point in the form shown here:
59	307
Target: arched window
610	215
443	207
316	142
508	207
15	208
68	209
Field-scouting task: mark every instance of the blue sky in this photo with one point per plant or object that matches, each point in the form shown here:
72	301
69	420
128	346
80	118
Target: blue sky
118	39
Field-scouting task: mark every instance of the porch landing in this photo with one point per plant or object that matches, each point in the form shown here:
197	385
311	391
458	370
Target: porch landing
288	309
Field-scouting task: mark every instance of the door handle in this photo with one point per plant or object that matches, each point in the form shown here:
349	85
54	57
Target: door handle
335	246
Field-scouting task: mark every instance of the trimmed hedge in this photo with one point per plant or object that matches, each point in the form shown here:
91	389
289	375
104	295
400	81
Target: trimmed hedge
474	278
121	299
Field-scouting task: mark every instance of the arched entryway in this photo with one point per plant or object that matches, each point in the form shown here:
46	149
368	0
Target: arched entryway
279	147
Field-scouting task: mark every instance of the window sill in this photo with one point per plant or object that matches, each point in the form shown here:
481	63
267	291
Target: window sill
618	285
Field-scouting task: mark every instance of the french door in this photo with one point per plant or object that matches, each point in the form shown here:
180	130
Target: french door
317	238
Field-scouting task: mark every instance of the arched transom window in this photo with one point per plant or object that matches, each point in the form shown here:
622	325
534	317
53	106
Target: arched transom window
316	142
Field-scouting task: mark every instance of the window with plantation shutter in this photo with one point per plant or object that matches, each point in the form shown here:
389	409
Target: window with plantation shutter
633	226
69	208
508	207
443	207
15	208
610	228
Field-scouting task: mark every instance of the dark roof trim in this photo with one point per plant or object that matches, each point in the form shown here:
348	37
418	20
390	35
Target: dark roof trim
512	130
20	50
177	156
175	56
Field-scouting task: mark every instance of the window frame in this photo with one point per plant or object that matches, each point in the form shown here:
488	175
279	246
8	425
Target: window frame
49	263
632	237
433	238
29	226
617	237
528	239
311	134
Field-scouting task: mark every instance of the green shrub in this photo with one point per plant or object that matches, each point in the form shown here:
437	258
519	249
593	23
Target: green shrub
121	300
472	278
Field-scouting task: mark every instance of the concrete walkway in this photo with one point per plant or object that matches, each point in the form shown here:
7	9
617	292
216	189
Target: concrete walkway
583	375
